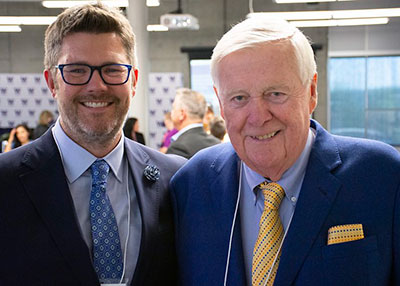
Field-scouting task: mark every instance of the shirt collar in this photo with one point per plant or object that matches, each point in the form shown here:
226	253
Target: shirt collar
76	160
183	130
291	177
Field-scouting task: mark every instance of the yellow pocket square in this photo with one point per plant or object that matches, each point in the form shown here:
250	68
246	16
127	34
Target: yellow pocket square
345	233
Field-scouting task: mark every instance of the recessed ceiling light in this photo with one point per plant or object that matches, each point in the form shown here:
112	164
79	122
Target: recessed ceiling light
66	4
27	20
341	22
10	28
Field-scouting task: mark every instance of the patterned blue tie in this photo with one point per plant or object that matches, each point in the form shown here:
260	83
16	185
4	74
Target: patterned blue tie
107	254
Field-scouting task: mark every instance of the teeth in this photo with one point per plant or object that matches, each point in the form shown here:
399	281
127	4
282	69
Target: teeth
95	104
266	136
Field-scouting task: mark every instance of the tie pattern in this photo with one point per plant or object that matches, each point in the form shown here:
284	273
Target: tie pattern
269	237
107	254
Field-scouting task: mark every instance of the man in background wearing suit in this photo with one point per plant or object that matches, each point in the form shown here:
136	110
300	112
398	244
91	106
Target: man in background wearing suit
83	205
331	214
187	114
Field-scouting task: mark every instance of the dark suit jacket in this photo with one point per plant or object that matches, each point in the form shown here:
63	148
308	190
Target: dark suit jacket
347	181
191	141
40	239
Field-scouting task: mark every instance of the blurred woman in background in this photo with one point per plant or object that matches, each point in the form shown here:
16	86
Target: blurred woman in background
171	131
131	130
20	135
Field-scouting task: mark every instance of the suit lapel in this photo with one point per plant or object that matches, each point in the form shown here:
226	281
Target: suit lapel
224	198
147	193
236	271
46	186
316	198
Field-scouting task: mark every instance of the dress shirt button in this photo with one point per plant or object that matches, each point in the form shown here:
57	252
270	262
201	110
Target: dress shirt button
293	199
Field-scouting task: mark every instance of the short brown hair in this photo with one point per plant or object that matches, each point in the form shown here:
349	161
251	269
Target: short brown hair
218	128
45	117
90	18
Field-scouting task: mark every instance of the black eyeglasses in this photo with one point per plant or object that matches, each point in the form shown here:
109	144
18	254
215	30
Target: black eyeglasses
80	74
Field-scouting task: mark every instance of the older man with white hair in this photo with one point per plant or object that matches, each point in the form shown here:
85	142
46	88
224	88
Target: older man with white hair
285	203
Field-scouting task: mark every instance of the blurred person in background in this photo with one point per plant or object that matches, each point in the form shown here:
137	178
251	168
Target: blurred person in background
19	136
131	130
46	118
218	128
187	114
171	131
208	116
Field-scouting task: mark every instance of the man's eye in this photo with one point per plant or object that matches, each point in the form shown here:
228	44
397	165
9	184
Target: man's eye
112	70
75	70
238	98
277	97
276	94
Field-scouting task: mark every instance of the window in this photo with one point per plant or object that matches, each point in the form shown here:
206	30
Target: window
365	97
200	80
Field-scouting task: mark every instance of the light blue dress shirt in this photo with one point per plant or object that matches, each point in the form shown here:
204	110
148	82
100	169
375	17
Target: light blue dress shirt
252	202
76	161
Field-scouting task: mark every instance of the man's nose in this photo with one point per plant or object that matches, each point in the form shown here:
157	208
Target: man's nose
259	111
96	81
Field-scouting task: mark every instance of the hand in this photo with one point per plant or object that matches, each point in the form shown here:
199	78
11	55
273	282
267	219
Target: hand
12	135
10	140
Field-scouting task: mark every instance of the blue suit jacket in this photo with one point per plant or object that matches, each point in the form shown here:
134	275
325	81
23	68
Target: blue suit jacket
40	239
347	181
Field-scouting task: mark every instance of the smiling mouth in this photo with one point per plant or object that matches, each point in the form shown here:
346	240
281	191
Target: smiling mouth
93	104
266	136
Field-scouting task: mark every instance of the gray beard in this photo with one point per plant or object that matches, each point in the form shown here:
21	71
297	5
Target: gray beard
85	136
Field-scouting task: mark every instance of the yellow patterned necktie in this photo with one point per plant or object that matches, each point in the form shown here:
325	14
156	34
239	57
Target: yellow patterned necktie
269	236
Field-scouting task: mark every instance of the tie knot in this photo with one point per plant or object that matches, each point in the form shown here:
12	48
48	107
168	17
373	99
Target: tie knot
99	170
273	194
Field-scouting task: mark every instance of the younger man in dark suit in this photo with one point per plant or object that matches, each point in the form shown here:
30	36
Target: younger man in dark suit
286	203
83	205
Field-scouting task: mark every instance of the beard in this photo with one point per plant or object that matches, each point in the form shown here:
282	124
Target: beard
96	130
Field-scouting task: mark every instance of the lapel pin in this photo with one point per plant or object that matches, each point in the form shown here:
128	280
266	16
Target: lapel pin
152	173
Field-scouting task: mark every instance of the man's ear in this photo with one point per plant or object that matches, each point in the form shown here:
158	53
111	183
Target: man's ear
50	82
313	94
135	80
221	110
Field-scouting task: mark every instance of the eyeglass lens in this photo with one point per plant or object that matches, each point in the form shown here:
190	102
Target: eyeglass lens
81	74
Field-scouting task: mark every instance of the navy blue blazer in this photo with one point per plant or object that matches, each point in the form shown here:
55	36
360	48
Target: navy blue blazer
347	181
40	239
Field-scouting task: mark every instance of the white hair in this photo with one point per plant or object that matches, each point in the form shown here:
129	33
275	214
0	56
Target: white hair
193	102
261	29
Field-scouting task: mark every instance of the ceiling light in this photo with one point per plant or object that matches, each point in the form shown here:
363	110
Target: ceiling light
67	4
332	15
180	21
367	13
10	28
341	22
26	20
307	1
152	3
157	28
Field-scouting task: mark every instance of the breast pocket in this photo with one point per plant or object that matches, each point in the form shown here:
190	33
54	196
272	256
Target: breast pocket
352	263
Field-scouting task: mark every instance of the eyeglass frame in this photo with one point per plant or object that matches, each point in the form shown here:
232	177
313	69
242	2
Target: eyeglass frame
60	67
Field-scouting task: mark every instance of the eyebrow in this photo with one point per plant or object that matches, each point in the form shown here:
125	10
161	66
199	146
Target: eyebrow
266	90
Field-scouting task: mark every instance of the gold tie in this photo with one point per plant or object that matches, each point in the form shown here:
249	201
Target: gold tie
269	236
